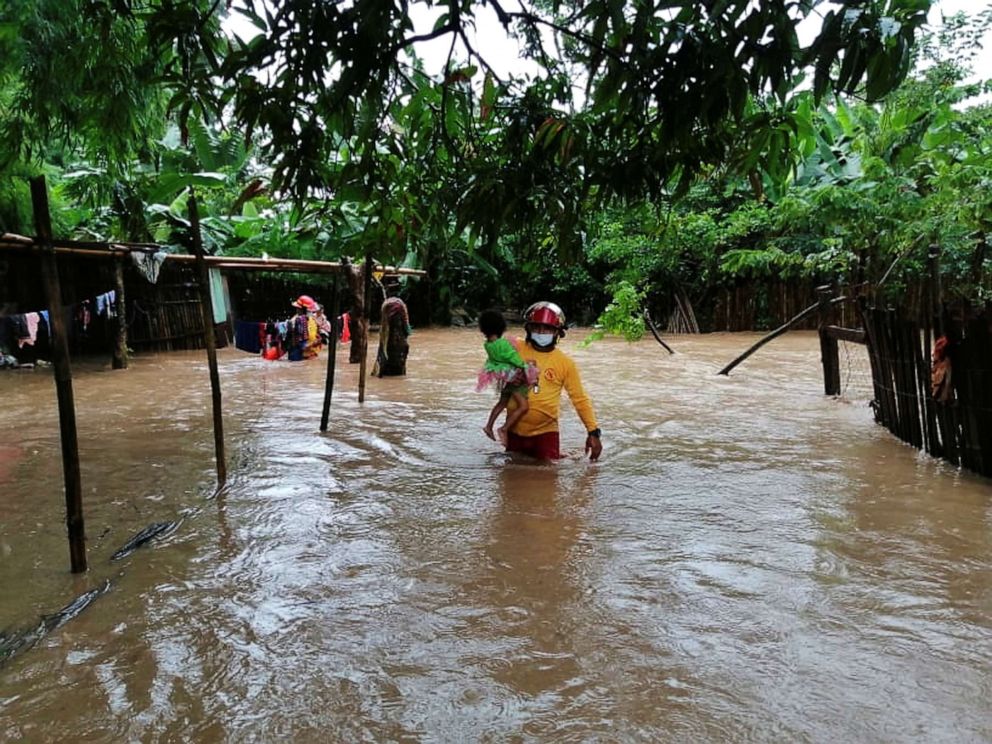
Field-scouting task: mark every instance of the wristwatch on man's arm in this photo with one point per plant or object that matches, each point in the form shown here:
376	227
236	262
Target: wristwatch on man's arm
597	432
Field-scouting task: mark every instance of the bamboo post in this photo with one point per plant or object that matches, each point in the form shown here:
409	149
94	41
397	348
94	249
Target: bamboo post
829	355
367	280
63	379
933	259
120	360
934	423
946	415
866	317
332	350
206	309
981	342
895	361
974	348
890	371
909	342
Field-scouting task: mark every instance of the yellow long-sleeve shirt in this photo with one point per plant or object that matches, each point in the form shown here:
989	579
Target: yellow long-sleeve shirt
556	371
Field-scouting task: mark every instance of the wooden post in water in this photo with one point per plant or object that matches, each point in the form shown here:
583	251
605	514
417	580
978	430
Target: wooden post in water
354	281
367	281
829	355
332	353
207	311
120	360
63	378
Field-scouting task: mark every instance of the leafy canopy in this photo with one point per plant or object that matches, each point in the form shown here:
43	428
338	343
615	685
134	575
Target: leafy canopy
320	87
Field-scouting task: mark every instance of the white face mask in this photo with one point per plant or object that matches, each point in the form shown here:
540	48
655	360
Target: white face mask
542	339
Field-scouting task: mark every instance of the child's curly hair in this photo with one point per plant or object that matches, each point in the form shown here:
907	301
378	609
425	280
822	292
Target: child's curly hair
491	323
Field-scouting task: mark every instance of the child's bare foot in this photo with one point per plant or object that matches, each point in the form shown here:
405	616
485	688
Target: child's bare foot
501	432
489	432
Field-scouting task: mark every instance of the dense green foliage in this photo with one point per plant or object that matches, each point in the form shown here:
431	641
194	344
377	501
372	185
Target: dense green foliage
876	186
659	148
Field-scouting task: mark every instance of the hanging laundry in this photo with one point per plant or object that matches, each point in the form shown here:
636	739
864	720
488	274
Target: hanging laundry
83	316
31	330
246	336
345	327
44	327
148	264
106	304
217	295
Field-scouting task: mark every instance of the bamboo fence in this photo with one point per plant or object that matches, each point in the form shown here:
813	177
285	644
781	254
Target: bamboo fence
959	429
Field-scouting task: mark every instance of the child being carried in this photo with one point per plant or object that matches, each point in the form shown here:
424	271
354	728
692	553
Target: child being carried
507	371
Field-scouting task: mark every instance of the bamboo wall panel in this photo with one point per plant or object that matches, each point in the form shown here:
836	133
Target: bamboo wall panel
761	305
958	430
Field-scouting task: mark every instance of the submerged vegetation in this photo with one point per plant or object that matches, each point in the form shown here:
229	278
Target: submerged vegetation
658	156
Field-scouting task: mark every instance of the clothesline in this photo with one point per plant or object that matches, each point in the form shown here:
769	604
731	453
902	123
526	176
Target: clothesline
101	302
24	326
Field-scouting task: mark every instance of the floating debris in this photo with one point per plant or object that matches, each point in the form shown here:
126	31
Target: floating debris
13	642
152	531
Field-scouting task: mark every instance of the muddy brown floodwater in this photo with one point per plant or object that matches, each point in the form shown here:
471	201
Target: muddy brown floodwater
749	561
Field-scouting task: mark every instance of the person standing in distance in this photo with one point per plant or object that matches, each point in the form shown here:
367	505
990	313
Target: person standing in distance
536	433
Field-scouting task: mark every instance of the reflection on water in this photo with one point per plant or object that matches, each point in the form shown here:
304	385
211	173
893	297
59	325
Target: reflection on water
748	561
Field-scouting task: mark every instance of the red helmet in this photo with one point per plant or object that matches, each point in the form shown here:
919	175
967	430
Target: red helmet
306	302
545	313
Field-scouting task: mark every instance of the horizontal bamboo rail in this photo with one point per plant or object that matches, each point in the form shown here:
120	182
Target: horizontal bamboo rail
94	249
853	335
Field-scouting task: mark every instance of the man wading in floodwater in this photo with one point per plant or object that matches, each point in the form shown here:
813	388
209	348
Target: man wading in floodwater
536	433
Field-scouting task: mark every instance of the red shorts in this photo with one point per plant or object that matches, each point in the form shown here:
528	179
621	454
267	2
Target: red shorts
542	446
